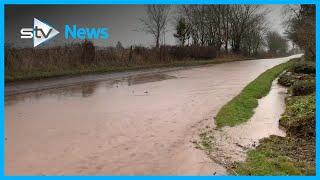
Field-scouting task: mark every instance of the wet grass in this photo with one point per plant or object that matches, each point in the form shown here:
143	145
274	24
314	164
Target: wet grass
290	155
206	141
279	156
241	108
47	73
299	106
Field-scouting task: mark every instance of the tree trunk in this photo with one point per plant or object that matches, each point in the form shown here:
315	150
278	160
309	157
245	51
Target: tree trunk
226	47
157	41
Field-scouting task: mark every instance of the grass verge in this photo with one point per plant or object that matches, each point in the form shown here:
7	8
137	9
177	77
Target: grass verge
295	153
279	156
241	107
291	155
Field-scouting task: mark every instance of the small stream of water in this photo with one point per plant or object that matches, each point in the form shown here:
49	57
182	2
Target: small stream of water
232	143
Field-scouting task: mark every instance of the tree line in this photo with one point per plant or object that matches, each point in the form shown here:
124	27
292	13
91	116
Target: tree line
301	25
240	27
236	28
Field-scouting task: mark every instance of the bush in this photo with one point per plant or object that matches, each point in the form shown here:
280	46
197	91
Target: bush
300	127
198	52
301	88
194	52
304	67
299	117
286	80
26	63
88	52
140	50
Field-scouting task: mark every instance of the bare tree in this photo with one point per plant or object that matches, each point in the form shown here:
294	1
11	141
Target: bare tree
195	17
276	43
156	21
254	37
241	17
301	28
241	27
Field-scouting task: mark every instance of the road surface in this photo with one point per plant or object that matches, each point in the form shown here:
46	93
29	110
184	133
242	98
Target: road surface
140	122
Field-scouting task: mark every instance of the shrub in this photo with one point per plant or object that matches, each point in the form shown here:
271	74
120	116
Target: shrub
301	88
26	63
199	52
286	80
194	52
301	127
299	117
88	52
179	52
140	50
304	67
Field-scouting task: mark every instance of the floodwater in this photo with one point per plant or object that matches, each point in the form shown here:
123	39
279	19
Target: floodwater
230	144
123	123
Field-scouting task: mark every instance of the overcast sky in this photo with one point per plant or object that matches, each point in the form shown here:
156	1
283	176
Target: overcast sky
121	20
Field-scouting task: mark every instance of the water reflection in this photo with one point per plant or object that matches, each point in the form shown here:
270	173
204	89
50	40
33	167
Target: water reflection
146	78
82	90
85	89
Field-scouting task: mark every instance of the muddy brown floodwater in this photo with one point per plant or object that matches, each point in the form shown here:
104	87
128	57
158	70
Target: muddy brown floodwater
123	123
230	144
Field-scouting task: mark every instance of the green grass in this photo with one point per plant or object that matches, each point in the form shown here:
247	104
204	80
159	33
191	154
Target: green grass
300	106
206	141
36	74
279	156
290	155
241	107
299	117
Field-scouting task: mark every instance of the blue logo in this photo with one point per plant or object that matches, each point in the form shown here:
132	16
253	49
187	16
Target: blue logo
75	32
42	32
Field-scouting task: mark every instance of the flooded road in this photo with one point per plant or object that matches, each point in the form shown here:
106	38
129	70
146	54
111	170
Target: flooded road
128	123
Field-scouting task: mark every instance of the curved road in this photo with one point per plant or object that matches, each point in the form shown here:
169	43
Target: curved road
140	122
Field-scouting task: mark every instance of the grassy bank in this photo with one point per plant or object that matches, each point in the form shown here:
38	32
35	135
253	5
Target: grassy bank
291	155
295	153
279	156
241	107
